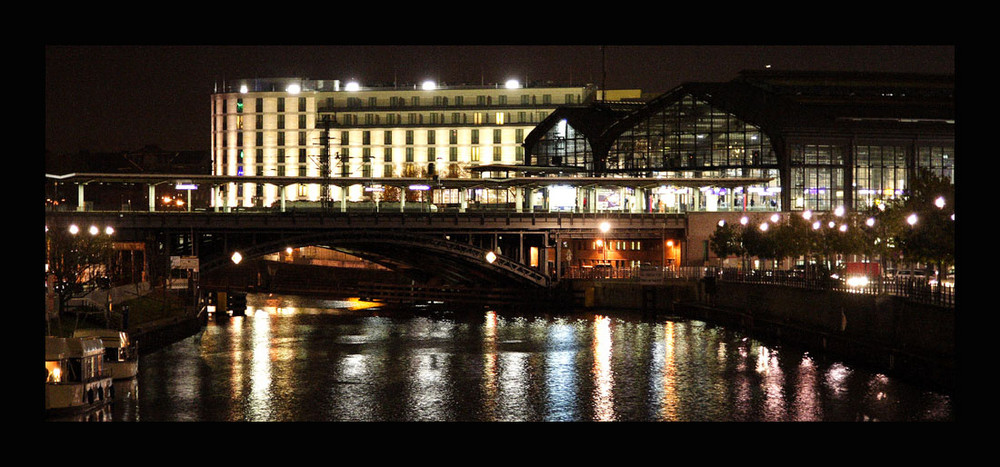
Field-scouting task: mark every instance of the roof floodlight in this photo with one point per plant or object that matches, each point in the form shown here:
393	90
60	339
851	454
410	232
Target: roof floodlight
352	86
428	85
512	84
293	89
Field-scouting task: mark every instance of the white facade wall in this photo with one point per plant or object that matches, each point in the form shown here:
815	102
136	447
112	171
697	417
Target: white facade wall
440	111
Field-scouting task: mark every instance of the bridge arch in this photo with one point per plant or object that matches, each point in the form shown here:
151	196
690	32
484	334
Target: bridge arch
455	261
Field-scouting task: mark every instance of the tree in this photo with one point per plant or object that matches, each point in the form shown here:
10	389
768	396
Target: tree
726	241
75	258
930	205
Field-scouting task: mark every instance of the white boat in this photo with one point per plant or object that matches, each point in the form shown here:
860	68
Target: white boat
76	379
120	353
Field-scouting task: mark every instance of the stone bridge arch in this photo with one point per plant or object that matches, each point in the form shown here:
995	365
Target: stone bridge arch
456	262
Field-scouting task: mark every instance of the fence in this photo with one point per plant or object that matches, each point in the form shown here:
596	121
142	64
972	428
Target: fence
912	289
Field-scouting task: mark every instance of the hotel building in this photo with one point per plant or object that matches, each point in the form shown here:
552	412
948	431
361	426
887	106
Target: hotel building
311	131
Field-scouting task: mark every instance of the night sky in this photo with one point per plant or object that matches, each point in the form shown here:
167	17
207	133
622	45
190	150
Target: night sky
117	98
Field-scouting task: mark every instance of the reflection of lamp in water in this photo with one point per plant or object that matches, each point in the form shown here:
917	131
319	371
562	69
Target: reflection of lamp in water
491	257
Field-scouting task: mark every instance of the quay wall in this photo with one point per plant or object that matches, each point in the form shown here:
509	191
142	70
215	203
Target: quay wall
892	334
153	335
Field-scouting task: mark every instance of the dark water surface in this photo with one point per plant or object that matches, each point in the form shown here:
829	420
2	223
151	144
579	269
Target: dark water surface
301	359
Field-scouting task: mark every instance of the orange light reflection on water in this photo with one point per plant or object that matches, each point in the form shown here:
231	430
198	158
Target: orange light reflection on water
604	406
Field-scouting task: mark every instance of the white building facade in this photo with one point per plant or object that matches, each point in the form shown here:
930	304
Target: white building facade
311	130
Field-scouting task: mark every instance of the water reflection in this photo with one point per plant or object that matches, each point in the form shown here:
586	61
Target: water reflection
309	360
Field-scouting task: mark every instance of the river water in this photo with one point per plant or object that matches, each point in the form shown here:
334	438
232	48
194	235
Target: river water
303	359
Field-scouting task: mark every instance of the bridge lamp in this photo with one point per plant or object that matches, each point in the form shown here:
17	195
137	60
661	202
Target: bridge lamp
491	257
912	219
807	214
763	226
237	257
839	212
93	230
939	202
870	222
109	230
744	220
73	229
604	226
775	218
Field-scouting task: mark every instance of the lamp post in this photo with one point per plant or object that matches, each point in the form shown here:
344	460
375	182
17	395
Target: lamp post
605	227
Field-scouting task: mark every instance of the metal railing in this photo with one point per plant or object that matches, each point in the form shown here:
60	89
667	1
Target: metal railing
912	289
918	290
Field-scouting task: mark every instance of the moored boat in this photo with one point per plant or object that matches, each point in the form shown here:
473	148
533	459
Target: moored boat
121	355
76	379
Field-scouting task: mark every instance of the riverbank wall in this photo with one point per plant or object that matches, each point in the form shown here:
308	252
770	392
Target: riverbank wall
912	340
154	335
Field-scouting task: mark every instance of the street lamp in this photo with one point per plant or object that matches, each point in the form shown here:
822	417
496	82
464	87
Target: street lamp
605	227
237	257
491	257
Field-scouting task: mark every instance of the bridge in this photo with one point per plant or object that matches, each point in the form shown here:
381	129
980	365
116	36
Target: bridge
469	248
518	239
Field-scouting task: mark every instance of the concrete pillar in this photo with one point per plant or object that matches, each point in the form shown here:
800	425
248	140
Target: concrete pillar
80	205
462	202
343	199
152	198
402	198
282	190
531	200
518	199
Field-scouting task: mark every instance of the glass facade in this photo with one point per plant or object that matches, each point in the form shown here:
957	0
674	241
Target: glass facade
817	176
563	145
691	135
